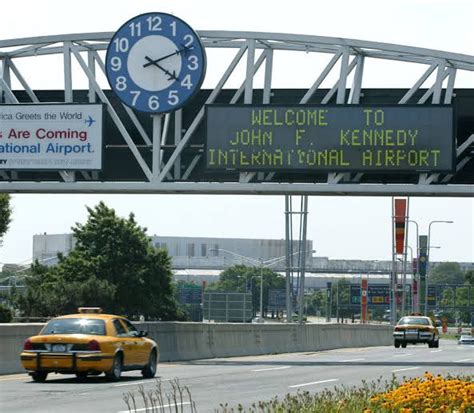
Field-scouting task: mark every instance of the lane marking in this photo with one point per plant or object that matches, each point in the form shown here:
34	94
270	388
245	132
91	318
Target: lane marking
403	355
143	409
313	382
273	368
345	361
460	361
138	382
408	368
14	378
436	351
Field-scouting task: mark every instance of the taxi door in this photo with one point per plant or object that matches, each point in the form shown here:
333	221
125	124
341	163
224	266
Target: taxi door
142	346
128	343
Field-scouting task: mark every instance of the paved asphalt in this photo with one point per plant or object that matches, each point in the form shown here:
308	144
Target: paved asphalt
237	379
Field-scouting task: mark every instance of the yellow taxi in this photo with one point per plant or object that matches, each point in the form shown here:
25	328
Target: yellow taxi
89	343
415	329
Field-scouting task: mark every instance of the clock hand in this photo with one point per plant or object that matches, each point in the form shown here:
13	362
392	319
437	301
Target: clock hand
152	62
177	52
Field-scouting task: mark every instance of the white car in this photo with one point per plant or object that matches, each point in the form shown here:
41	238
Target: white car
466	339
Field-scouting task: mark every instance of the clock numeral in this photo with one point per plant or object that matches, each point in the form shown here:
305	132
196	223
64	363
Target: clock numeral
153	102
173	28
121	44
154	23
188	40
173	98
116	63
121	83
136	94
135	29
193	62
186	82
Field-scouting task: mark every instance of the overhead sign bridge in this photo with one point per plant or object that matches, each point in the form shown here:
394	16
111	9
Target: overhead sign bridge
251	139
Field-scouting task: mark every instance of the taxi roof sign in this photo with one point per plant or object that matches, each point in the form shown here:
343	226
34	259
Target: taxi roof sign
89	310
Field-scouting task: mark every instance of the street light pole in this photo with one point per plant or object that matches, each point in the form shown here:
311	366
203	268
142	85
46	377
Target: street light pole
428	260
261	291
412	279
415	276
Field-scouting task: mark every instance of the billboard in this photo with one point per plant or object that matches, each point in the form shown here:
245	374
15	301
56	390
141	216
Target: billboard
398	138
51	136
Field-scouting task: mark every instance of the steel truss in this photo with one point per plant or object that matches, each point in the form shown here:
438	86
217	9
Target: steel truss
167	175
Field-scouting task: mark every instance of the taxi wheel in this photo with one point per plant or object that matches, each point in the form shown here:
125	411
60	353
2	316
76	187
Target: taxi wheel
396	344
81	375
39	376
149	370
433	344
116	371
404	345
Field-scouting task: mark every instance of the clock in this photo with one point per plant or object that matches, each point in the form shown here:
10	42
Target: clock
155	63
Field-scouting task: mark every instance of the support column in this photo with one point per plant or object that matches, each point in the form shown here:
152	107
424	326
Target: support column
304	219
393	275
288	260
405	255
156	154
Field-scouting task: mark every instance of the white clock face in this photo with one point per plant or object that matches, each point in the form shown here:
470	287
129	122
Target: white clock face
143	68
155	63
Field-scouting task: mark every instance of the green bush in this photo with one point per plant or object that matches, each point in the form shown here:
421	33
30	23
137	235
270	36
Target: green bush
6	314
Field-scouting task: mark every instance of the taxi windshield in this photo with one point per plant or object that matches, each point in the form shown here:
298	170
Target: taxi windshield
414	320
75	326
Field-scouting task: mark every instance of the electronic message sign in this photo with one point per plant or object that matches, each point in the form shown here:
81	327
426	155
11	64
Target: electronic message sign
58	137
399	138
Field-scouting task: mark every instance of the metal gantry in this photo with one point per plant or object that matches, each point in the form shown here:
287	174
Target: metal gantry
82	55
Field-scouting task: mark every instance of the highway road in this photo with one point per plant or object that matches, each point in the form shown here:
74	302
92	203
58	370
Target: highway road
237	379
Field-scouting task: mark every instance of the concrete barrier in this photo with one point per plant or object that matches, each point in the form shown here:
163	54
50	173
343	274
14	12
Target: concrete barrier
188	341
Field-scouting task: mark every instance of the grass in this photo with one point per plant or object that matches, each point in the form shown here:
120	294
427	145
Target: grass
178	399
353	399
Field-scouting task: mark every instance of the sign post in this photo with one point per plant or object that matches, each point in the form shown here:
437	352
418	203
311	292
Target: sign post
414	296
328	301
422	258
363	300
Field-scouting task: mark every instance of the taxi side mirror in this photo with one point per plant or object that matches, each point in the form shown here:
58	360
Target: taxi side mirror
142	333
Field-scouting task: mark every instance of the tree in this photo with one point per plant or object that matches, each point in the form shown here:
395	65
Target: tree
241	278
447	273
113	265
469	277
316	303
5	314
5	213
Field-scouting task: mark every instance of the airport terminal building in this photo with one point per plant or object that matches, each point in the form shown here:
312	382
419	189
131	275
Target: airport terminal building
198	259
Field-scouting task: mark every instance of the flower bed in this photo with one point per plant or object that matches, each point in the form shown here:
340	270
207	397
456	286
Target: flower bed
428	394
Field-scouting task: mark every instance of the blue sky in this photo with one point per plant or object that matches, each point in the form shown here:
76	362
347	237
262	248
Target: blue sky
340	227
